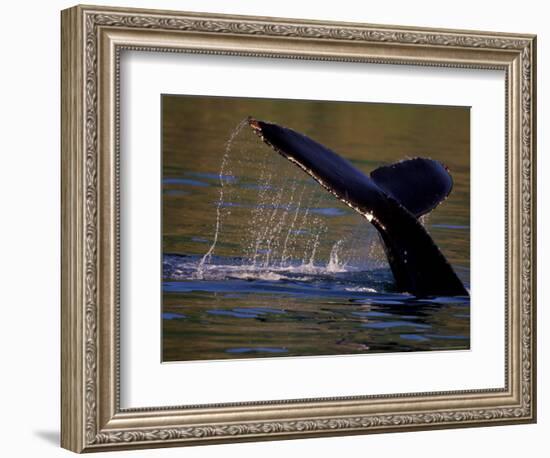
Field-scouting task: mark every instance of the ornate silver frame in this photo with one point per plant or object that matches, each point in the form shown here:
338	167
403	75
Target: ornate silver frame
92	39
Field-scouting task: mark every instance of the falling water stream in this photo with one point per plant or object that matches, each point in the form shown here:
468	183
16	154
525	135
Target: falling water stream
285	229
223	178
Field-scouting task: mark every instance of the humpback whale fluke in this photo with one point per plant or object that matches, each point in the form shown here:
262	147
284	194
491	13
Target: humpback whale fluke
392	199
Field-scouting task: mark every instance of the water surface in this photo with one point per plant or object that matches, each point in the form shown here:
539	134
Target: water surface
259	261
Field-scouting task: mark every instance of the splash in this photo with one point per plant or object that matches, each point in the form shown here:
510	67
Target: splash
270	218
334	262
223	177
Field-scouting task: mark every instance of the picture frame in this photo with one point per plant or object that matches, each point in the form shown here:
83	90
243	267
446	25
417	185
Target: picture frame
93	39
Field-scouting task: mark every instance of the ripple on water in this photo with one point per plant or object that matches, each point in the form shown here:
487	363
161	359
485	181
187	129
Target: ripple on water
173	316
328	211
184	181
248	312
257	350
443	337
414	337
213	176
394	324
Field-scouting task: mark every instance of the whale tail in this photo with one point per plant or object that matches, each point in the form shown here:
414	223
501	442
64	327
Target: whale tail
392	198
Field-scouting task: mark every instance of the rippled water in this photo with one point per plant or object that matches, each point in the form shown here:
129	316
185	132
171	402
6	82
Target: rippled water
259	261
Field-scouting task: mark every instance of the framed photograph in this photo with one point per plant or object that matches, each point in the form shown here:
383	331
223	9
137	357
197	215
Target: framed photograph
278	228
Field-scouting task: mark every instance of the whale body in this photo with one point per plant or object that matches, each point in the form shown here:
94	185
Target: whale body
392	199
